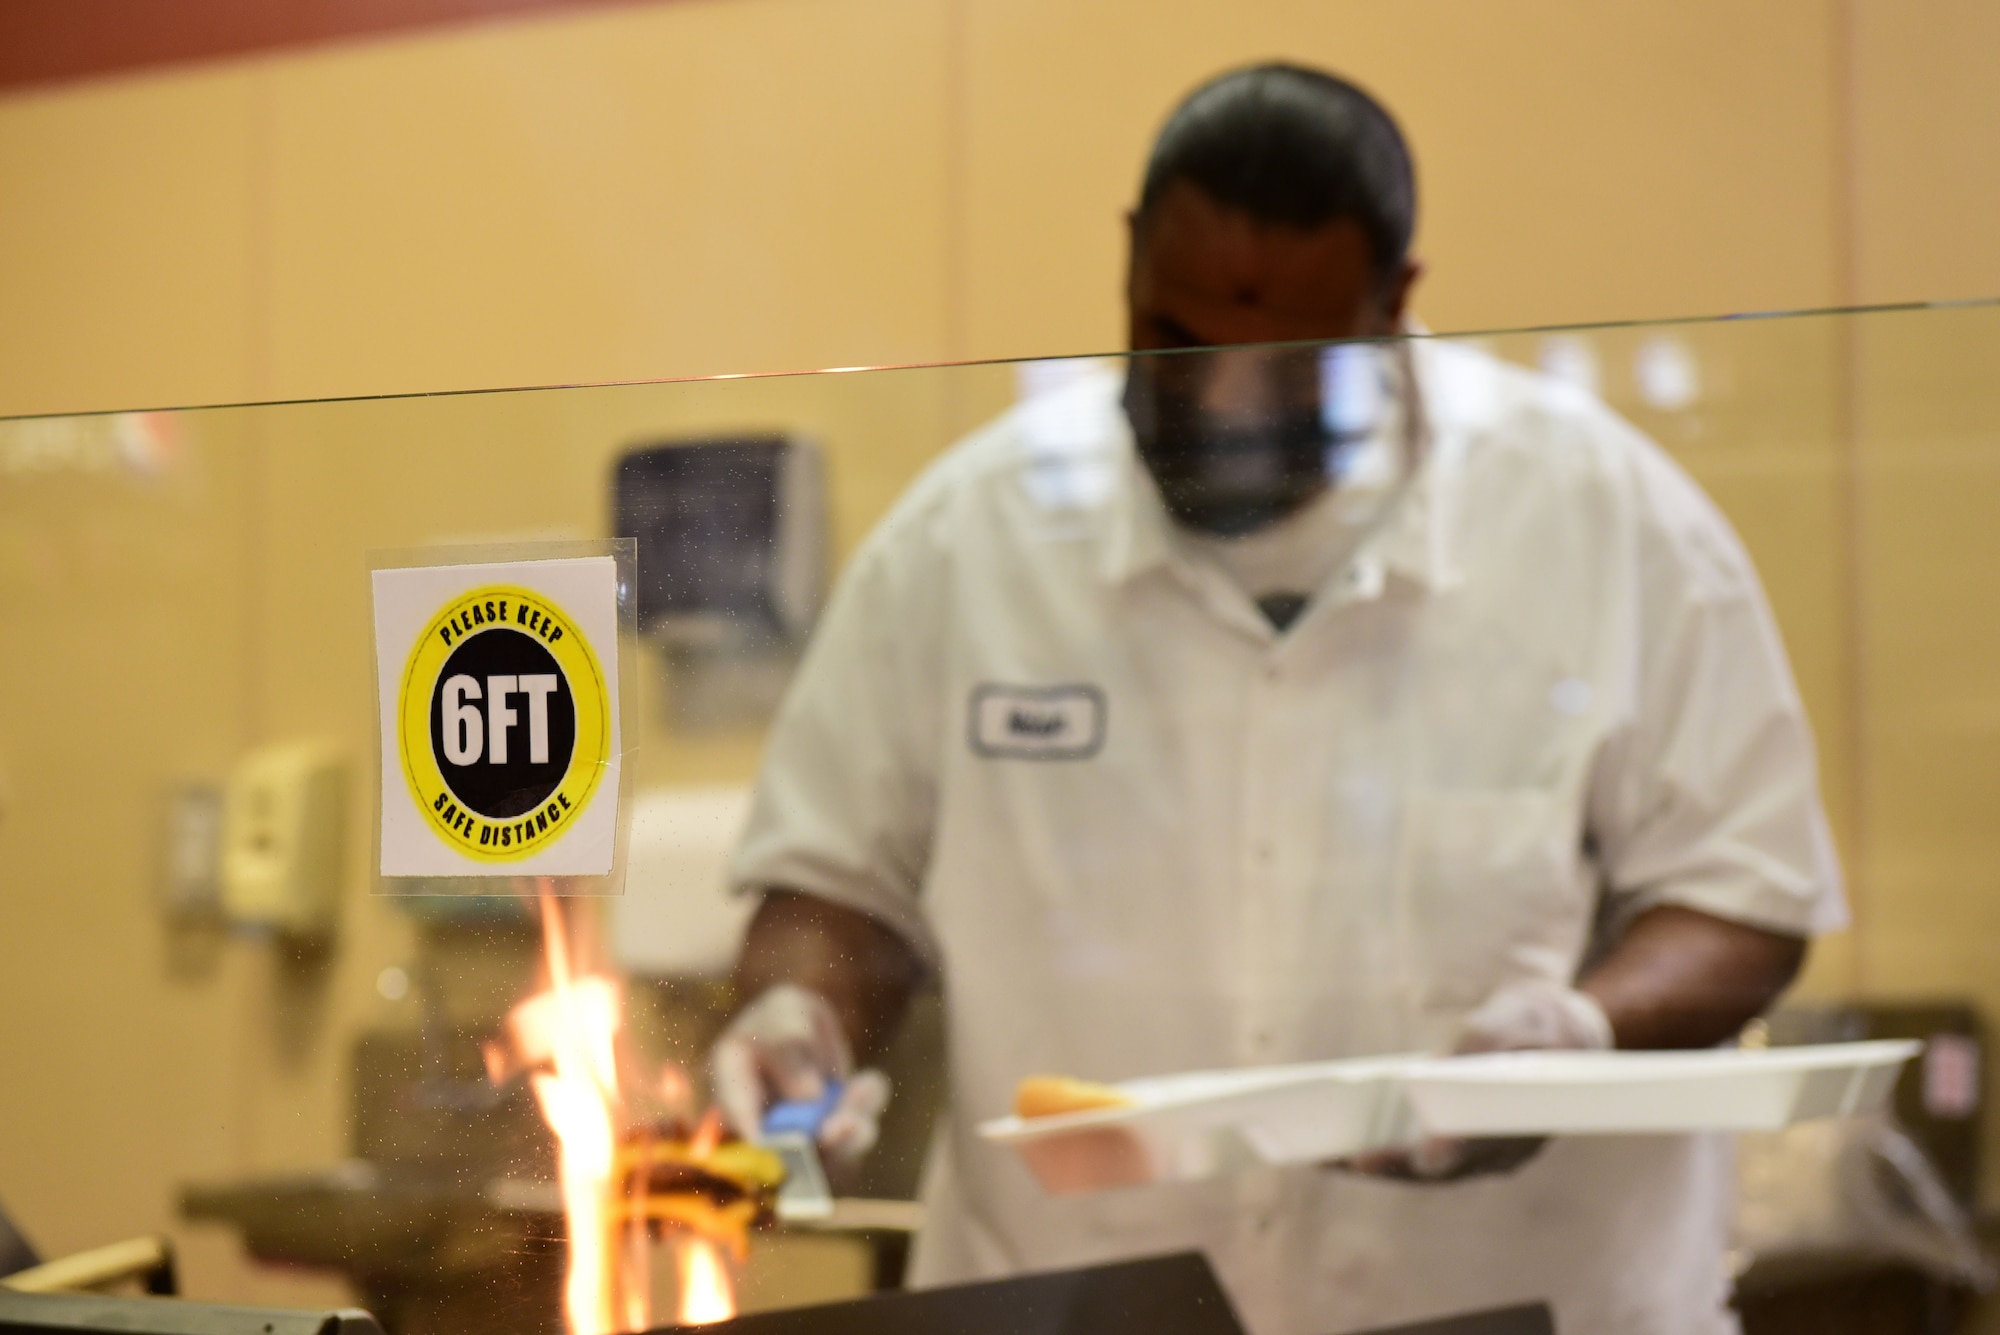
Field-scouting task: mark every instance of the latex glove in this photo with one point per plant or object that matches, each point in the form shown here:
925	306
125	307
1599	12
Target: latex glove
788	1046
1535	1016
1528	1016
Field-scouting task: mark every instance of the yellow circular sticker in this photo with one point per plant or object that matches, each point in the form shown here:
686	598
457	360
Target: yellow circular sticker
504	723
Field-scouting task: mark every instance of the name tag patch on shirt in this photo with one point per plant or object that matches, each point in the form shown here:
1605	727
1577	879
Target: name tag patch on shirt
1037	722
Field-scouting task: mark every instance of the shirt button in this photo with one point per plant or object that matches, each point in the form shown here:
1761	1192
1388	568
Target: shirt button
1263	852
1272	672
1266	1222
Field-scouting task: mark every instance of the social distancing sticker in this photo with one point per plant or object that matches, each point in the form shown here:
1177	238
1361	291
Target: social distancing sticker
500	718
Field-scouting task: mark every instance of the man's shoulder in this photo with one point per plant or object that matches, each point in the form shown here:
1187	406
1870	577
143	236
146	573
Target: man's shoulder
1493	407
1553	443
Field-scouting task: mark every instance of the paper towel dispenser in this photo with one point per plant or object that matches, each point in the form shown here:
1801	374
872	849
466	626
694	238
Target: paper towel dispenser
732	536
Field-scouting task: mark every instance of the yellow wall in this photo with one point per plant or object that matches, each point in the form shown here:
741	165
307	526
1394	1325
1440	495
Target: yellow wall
1576	162
727	185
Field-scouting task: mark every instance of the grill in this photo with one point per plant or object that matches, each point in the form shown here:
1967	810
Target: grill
1167	1295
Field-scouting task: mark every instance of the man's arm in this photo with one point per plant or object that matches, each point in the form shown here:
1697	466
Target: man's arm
863	969
1704	807
1679	978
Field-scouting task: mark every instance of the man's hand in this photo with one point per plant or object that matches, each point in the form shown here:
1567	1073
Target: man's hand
787	1046
1441	1159
1536	1016
821	984
1526	1016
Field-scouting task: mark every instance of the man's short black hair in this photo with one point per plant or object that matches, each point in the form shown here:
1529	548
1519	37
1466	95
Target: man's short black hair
1292	145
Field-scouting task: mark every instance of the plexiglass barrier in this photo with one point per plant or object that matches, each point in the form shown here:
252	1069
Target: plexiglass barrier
1192	766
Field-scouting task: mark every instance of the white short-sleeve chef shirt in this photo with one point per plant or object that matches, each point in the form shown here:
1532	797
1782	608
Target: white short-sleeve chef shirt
1138	831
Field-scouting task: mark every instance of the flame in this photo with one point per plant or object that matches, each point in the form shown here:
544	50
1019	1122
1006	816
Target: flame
708	1135
567	1037
706	1294
572	1030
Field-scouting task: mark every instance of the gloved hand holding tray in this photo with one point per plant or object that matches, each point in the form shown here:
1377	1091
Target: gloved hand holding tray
1197	1124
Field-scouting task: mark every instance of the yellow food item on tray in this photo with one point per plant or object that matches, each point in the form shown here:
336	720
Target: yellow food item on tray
1053	1095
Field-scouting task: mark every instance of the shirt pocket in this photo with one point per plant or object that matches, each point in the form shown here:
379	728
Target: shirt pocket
1491	890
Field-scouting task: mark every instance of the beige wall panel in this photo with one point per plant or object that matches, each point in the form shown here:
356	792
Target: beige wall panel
1927	181
1928	433
1577	162
1932	588
125	216
121	551
1929	440
721	185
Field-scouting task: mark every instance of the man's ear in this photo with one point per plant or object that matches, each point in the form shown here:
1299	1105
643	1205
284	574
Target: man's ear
1396	300
1135	238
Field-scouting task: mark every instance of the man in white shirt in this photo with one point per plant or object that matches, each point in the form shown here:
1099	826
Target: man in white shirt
1159	754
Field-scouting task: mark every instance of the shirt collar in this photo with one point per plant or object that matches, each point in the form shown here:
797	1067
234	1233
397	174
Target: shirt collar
1136	538
1414	542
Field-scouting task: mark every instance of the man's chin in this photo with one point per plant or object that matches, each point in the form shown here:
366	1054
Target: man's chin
1230	517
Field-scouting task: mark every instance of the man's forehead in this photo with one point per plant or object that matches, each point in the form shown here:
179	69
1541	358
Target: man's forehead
1199	253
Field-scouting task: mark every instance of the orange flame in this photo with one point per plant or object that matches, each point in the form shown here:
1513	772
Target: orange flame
708	1134
568	1036
705	1292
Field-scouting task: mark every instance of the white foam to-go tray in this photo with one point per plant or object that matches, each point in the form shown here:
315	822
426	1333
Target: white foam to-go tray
1635	1093
1197	1124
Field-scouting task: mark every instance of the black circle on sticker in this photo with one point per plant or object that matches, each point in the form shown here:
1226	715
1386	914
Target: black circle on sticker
503	723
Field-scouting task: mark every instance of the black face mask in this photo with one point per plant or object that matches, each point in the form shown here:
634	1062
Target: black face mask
1235	438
